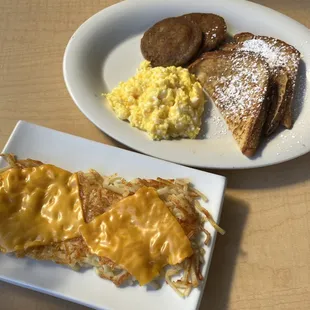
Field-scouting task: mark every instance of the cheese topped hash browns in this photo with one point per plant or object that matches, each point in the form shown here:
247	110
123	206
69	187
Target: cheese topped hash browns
98	194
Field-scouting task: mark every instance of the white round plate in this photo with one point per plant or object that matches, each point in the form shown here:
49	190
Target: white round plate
106	50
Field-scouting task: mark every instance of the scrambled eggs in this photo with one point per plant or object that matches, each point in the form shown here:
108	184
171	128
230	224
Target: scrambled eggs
164	102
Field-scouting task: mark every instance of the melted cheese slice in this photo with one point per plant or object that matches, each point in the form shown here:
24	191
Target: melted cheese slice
38	206
140	234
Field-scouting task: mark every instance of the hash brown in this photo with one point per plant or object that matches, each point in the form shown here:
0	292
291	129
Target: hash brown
98	193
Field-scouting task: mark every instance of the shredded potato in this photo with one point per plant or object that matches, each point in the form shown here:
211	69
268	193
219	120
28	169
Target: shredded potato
209	218
10	159
183	202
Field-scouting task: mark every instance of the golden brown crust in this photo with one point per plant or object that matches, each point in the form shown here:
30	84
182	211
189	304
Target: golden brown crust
21	163
95	198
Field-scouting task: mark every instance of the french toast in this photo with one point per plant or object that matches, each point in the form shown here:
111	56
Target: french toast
283	60
238	84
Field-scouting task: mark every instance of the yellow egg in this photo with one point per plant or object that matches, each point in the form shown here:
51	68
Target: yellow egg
165	102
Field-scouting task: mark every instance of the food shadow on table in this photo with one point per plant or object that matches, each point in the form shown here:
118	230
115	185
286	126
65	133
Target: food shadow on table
226	252
112	142
276	176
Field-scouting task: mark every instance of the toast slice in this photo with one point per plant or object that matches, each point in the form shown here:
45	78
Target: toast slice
283	60
238	83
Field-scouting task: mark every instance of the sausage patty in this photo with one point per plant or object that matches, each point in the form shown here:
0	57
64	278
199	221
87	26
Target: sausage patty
213	28
171	42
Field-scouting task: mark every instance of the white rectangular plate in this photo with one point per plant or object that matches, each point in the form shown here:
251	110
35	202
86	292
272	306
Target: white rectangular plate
85	287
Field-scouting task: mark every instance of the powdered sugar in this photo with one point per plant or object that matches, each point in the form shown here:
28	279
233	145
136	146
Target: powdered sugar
276	53
212	33
213	125
289	140
240	94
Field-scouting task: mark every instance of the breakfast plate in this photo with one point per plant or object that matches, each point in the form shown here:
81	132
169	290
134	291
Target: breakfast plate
85	287
106	50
